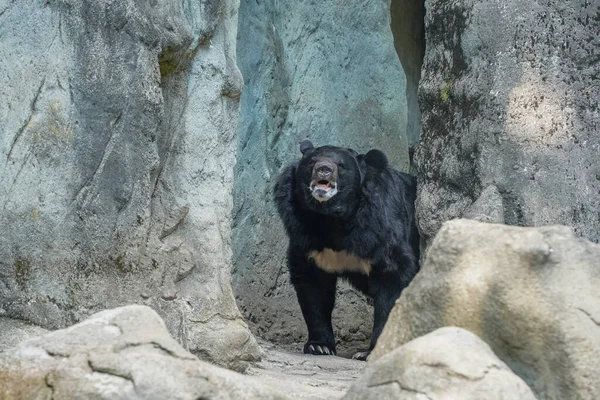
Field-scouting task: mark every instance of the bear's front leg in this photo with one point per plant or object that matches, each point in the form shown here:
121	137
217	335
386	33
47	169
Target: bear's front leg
315	290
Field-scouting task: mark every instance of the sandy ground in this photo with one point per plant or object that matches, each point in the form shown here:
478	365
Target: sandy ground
305	376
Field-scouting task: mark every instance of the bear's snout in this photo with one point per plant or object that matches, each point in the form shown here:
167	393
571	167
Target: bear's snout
324	180
324	169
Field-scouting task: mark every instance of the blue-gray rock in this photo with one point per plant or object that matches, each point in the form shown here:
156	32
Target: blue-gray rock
13	331
118	123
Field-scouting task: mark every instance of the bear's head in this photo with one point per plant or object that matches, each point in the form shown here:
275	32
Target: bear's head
329	179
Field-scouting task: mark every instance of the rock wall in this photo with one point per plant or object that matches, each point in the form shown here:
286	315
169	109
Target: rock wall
510	105
117	154
329	73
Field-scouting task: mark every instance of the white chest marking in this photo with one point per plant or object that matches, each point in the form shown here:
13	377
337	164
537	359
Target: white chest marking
340	261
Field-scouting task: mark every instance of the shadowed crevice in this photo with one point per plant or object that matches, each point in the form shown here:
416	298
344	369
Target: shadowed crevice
407	24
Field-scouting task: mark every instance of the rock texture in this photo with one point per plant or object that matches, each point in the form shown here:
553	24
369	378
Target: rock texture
530	293
324	72
449	363
127	353
407	25
510	98
116	165
305	376
13	331
124	353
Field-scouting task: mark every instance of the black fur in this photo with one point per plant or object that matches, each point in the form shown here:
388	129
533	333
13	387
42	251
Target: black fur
371	216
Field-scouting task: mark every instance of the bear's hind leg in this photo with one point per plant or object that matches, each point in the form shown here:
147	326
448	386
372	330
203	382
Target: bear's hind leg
315	290
384	288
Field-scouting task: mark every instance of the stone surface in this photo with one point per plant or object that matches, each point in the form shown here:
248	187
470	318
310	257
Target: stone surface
509	98
327	72
530	293
116	165
305	376
449	363
487	208
409	41
13	331
124	353
127	353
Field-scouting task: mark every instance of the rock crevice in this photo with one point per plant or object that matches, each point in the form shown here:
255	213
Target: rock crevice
329	73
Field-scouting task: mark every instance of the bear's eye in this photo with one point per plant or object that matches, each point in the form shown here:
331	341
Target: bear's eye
341	166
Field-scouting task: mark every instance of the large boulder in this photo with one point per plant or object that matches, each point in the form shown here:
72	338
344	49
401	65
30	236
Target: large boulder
530	293
510	103
118	123
324	71
127	353
123	353
449	363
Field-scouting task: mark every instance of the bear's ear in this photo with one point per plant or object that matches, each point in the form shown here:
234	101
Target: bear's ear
376	159
306	145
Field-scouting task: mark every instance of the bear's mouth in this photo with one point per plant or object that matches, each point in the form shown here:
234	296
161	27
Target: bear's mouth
323	190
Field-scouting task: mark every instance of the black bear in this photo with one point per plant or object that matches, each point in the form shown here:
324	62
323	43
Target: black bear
351	216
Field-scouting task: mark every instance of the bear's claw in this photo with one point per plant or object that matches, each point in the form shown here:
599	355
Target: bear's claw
319	349
361	355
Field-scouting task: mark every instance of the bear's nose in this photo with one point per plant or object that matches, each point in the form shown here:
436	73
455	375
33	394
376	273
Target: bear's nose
324	168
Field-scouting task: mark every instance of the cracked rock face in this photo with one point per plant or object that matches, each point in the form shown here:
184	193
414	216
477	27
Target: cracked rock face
530	293
123	353
510	99
330	73
116	165
449	363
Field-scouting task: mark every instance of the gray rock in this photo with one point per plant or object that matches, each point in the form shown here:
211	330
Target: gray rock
13	331
449	363
330	73
530	293
487	208
116	167
509	98
127	353
124	353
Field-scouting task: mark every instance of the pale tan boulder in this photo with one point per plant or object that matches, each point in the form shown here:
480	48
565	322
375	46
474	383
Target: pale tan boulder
533	294
449	363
